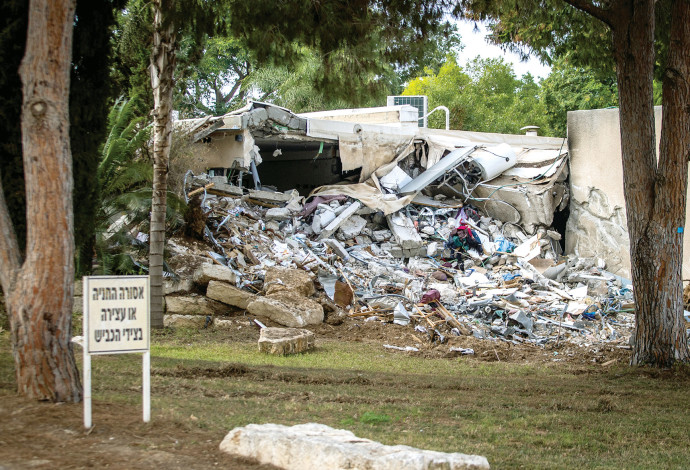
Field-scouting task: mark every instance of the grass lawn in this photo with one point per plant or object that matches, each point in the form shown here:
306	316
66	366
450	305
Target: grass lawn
518	415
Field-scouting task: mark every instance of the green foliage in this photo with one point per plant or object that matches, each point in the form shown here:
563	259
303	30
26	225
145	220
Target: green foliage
215	85
551	29
570	88
369	417
293	86
125	174
485	96
355	40
131	46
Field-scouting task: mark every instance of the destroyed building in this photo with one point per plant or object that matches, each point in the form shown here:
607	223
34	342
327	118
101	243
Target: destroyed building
519	179
363	216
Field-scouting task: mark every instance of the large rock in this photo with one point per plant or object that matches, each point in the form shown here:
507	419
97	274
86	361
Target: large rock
229	294
278	213
185	321
317	447
194	304
180	286
214	272
282	341
280	279
287	308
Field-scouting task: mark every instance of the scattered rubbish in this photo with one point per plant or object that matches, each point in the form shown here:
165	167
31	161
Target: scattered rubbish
411	239
400	348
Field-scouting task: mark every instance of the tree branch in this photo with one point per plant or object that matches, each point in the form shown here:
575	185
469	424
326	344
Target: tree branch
234	89
603	15
10	259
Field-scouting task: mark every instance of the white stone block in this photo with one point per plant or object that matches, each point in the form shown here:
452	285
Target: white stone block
318	447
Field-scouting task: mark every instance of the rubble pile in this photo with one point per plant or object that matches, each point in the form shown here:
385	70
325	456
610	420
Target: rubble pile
439	267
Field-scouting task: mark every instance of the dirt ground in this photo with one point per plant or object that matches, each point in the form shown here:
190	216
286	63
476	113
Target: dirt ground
49	436
52	436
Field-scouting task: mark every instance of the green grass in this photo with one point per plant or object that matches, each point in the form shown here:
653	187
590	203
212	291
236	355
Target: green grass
517	415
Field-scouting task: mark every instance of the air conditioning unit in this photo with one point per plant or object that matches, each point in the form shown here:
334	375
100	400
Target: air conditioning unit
420	102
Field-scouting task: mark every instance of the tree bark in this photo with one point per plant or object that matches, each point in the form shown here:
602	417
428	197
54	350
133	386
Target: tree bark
654	191
39	291
162	67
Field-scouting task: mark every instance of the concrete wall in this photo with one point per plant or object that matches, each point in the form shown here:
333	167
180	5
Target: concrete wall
597	224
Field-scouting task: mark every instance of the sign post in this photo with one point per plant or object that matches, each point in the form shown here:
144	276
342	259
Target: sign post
116	321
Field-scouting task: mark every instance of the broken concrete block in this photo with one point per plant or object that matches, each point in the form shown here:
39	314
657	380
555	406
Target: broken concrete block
256	117
279	279
272	197
352	227
337	247
404	231
288	308
322	219
181	286
297	123
278	213
279	115
214	272
193	304
338	221
317	447
282	341
381	235
184	321
225	189
229	294
363	240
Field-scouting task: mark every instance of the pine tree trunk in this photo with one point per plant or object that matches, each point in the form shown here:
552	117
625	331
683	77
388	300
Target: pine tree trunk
162	68
39	292
654	193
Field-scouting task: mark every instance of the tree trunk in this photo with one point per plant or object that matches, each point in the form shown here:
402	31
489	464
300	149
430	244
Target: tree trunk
654	193
39	291
162	67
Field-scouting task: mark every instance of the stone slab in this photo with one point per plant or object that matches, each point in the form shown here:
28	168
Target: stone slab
193	304
288	309
283	341
214	272
279	279
319	447
229	294
181	286
404	231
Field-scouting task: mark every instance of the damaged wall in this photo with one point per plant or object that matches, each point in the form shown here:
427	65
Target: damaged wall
597	224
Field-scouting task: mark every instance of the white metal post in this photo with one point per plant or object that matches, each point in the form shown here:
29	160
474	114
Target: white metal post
87	356
87	389
146	388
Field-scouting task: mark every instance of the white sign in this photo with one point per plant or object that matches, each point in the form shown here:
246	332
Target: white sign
116	314
116	320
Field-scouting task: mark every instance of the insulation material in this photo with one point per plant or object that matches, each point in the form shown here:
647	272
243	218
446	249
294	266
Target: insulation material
368	193
371	150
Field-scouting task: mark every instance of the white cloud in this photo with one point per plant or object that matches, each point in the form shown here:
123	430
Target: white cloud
476	45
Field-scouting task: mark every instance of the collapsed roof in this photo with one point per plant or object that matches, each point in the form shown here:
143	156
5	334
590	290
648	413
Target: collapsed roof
381	157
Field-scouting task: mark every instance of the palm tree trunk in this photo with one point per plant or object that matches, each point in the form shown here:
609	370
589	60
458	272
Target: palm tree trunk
162	67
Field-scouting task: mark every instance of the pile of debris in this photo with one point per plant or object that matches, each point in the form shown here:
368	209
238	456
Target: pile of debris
437	265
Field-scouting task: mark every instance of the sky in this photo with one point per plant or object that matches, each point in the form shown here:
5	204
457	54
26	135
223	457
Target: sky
475	45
